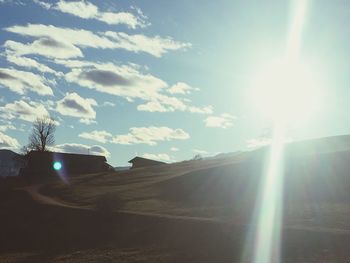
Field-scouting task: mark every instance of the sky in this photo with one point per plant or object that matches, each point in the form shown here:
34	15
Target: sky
165	80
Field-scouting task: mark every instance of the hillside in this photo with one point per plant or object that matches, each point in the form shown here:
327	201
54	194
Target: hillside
10	163
315	186
192	211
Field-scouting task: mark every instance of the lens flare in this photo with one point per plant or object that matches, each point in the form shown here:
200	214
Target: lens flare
286	90
269	216
57	166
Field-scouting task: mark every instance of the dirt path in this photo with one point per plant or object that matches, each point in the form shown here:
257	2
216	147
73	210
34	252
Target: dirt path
33	191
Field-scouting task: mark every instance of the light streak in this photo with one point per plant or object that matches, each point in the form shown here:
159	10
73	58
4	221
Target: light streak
263	245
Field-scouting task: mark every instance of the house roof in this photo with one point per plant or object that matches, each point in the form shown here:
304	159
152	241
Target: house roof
68	155
137	158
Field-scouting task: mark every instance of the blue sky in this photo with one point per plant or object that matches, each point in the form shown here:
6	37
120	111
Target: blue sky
161	79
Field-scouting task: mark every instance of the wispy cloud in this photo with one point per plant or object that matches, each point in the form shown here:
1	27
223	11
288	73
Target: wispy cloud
164	103
81	149
128	82
124	81
108	104
22	110
138	135
32	64
156	46
181	88
44	46
12	2
99	136
87	10
5	127
68	41
150	135
222	121
22	81
201	110
43	4
7	142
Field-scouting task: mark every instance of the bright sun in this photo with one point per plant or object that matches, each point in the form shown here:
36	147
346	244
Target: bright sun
287	91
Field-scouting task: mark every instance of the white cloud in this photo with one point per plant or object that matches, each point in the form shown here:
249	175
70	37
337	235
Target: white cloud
81	149
128	82
124	81
8	142
75	106
22	81
150	135
108	104
174	149
170	103
163	103
82	9
45	46
12	2
99	136
67	40
23	110
87	10
31	63
181	88
125	18
223	121
163	157
155	46
87	121
153	106
43	4
202	110
59	37
5	127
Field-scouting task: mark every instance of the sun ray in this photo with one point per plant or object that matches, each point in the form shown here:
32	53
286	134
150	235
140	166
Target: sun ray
285	87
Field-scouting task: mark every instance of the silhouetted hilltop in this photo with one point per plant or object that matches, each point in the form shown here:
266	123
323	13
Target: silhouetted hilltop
10	163
320	145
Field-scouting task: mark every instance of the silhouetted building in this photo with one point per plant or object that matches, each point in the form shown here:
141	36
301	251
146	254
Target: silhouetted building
41	164
138	162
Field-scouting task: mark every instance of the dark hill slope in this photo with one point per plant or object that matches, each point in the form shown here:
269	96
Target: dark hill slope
10	163
316	186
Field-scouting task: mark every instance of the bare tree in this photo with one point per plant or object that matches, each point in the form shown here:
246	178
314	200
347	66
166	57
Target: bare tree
42	134
197	157
25	150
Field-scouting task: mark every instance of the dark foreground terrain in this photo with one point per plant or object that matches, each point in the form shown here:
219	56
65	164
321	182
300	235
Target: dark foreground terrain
198	211
40	233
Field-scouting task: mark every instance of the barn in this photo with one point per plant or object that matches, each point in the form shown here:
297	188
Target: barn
139	162
42	164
